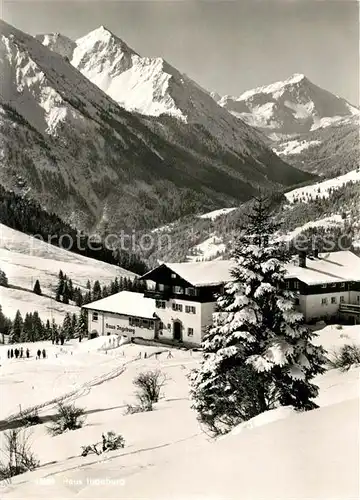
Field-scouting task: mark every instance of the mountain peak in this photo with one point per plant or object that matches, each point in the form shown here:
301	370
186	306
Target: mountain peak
104	37
296	78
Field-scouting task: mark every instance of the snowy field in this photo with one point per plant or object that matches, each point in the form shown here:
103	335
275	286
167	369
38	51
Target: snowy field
313	190
207	250
294	147
277	455
217	213
25	259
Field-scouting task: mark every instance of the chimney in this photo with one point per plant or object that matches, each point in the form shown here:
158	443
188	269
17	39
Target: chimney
302	259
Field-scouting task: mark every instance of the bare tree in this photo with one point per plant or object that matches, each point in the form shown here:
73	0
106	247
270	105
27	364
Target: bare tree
17	453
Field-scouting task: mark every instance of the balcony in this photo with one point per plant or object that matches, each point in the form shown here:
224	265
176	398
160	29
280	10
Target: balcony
350	309
157	294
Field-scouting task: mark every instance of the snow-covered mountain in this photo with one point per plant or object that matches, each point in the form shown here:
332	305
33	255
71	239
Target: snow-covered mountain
330	150
152	87
291	106
67	144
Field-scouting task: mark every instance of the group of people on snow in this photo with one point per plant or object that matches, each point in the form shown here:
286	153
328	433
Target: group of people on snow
19	353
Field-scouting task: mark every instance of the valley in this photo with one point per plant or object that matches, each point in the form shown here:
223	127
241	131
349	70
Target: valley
179	251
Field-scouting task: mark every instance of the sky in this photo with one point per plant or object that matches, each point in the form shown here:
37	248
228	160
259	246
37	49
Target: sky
226	46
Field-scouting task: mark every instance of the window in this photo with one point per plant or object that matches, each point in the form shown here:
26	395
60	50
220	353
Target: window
190	291
190	332
324	302
161	287
173	275
342	299
161	325
190	309
145	323
324	286
160	304
297	302
296	285
287	285
342	285
169	326
333	300
177	307
178	290
134	321
95	316
333	285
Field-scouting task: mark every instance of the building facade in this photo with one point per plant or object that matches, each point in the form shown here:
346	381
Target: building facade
180	305
185	296
327	285
128	314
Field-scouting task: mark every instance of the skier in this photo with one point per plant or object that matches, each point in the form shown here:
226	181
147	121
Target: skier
21	352
38	354
44	353
27	353
11	353
8	353
169	355
17	352
145	355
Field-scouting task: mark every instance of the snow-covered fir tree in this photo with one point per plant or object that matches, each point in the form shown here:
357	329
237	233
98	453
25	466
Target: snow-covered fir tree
258	353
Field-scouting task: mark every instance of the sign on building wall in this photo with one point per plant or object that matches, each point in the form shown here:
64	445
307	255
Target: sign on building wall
120	329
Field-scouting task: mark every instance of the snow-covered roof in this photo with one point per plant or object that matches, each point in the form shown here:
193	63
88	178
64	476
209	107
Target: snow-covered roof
208	273
125	303
327	268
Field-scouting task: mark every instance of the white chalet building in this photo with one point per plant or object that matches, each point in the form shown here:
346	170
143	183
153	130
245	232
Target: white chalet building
180	305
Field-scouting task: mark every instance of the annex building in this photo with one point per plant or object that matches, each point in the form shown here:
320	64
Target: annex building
182	300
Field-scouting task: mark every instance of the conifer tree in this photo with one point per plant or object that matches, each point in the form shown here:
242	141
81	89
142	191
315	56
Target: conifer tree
66	293
96	290
37	288
17	328
87	298
104	292
67	332
258	354
47	330
3	279
82	325
73	322
60	286
27	332
54	332
78	298
37	327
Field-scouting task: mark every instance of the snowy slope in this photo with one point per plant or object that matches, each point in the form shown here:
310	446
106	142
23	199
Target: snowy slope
290	106
321	189
299	456
216	213
25	259
328	150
